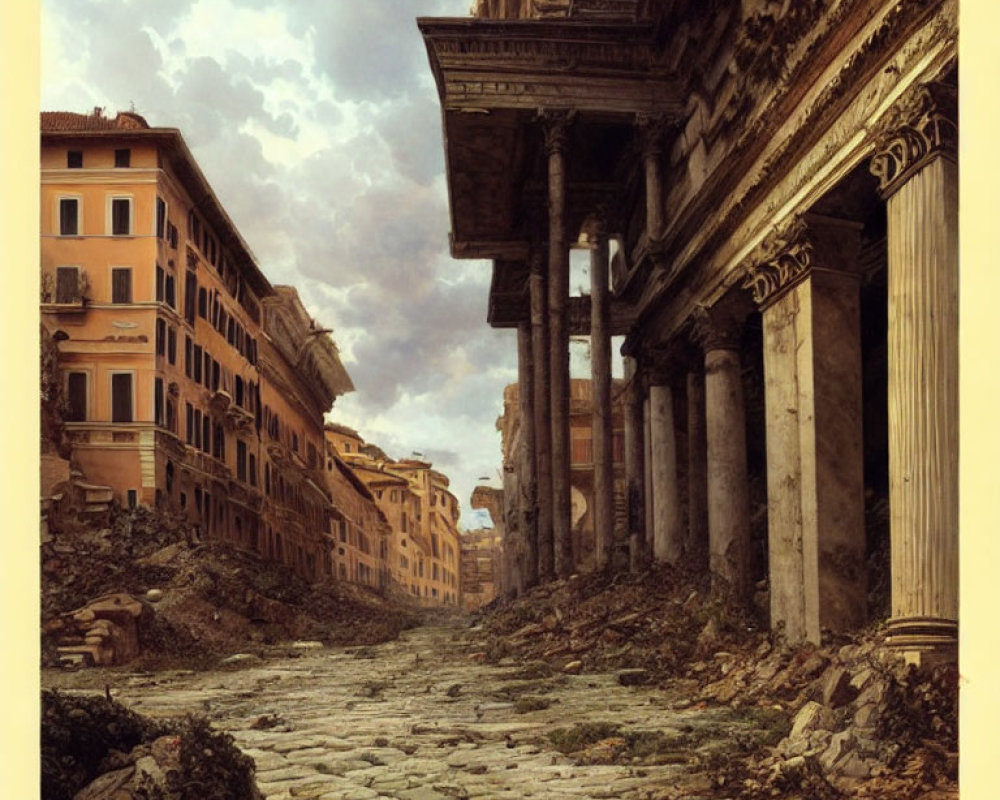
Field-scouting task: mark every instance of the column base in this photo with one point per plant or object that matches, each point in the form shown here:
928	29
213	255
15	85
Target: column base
924	641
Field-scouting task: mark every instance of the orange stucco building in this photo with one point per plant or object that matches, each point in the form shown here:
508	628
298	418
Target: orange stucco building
191	382
422	547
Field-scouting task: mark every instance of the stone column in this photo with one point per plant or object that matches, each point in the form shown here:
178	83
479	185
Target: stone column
555	146
528	496
635	479
600	369
543	415
916	165
725	434
805	281
696	546
647	473
651	137
667	533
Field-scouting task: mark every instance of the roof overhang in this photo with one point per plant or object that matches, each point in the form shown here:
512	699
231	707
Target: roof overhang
495	76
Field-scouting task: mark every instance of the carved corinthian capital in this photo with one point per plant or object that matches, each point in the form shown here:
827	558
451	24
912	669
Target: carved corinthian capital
804	243
779	261
921	126
554	126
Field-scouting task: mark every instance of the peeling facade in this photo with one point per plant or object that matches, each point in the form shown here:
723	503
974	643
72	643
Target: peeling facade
778	184
191	381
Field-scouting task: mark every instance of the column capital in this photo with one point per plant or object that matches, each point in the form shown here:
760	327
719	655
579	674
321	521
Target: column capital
800	245
554	126
720	326
652	127
919	127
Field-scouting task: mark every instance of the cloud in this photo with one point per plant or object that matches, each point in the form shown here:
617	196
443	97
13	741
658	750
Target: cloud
319	128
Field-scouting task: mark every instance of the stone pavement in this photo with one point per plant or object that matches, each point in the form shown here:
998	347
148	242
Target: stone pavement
423	718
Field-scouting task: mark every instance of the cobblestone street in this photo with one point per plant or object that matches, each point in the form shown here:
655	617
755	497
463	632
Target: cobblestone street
423	718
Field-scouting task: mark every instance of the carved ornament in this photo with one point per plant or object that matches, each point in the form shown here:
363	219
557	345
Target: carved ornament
919	128
719	327
779	262
652	128
555	125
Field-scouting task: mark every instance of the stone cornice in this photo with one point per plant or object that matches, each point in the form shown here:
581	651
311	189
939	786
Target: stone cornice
920	127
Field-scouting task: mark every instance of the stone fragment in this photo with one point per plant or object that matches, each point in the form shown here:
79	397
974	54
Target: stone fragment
840	745
632	677
573	667
837	690
154	595
812	716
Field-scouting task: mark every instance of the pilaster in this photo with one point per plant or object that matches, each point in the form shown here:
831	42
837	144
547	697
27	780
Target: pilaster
805	282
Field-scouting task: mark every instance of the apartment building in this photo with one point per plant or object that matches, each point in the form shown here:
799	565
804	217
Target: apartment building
422	552
191	381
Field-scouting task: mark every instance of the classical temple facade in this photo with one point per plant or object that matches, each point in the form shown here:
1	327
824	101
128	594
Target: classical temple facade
776	185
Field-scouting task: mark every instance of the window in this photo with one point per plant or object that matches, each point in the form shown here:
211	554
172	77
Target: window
74	159
219	445
187	356
189	430
171	346
171	292
172	234
203	303
171	417
67	284
208	370
206	434
121	285
121	216
121	397
253	470
161	218
197	428
132	498
158	401
241	460
190	295
69	216
123	157
196	358
161	337
76	396
160	275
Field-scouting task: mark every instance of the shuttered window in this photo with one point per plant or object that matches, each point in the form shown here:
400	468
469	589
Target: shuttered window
76	397
67	285
158	400
123	157
121	397
69	216
121	216
121	285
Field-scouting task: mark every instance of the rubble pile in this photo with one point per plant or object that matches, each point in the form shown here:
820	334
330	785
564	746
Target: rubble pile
92	748
846	719
140	581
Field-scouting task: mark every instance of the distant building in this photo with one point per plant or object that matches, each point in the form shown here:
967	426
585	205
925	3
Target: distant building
581	476
420	551
191	382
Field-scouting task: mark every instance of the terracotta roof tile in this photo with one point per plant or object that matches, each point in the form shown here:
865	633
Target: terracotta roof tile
62	121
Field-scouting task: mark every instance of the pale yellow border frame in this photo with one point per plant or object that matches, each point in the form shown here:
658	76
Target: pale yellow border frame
980	392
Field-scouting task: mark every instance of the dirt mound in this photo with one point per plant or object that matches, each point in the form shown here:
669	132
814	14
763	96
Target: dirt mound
845	719
92	747
205	598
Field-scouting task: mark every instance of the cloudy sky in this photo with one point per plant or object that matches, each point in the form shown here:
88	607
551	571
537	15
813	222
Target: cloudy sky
318	124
